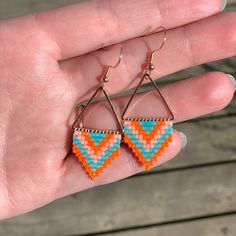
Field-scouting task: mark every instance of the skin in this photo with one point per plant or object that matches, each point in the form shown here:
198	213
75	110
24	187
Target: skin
50	60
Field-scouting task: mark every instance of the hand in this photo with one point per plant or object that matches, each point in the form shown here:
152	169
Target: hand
49	61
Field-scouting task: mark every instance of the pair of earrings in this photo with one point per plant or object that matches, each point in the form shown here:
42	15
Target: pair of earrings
146	137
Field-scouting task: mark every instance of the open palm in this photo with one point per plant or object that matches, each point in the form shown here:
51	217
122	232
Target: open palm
49	61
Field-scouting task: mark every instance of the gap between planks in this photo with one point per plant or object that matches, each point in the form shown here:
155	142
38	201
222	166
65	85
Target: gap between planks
129	230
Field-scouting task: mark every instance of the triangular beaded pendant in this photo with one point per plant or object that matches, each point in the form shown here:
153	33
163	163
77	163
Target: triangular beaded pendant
147	137
95	149
93	154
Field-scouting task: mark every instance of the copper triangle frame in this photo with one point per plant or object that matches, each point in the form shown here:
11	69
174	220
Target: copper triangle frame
79	117
147	76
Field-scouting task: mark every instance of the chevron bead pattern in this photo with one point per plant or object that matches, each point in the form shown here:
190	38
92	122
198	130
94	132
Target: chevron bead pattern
95	150
148	138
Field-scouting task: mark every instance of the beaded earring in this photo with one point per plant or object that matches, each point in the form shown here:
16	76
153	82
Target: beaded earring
148	137
95	149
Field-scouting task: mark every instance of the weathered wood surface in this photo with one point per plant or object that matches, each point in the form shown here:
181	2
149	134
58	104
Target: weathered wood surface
152	199
220	226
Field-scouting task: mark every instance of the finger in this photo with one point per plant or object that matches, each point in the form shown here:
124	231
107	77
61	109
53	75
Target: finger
80	28
188	99
208	40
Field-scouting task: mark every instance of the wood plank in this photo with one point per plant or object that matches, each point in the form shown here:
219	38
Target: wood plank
220	226
139	201
231	2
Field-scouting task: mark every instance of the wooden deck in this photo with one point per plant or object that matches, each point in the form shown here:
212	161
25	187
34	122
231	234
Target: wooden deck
195	194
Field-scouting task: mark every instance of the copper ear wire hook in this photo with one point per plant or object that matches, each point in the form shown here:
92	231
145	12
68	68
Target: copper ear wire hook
151	65
101	88
109	67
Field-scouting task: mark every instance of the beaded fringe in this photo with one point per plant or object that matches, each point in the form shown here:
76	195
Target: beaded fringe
95	149
148	138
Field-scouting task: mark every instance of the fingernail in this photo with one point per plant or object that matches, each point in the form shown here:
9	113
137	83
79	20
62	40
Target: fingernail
184	139
223	4
232	79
